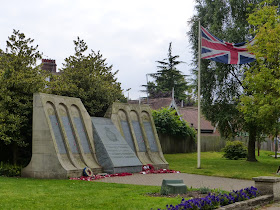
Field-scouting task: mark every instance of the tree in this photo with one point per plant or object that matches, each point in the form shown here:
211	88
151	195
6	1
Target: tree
222	84
19	79
168	77
88	78
260	101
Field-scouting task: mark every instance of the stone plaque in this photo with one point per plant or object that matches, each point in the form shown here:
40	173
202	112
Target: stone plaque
82	135
70	135
57	134
151	136
139	136
127	134
113	152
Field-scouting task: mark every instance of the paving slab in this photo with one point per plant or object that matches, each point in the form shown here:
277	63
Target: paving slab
191	180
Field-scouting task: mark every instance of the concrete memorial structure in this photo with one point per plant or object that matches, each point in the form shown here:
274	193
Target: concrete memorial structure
136	125
65	139
62	138
113	152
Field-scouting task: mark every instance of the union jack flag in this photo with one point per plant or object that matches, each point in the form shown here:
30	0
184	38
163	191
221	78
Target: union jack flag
218	50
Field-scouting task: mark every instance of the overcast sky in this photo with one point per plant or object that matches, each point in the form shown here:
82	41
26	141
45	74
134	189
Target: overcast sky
131	35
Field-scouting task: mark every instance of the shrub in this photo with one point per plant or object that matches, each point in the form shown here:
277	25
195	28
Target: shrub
204	190
167	122
234	150
9	170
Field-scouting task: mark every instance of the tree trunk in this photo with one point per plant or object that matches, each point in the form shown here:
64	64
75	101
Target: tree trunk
15	152
259	147
252	145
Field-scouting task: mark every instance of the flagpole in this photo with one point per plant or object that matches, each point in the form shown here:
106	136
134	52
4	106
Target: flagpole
198	96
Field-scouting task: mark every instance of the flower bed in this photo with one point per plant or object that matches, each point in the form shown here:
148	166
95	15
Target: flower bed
213	201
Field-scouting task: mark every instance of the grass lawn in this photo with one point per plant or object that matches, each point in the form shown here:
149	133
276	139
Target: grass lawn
23	193
213	164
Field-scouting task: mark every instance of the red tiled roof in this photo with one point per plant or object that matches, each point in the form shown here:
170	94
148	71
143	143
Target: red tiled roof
158	103
190	115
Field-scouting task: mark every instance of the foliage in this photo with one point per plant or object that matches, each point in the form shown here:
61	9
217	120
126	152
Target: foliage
213	201
204	190
89	78
234	150
168	122
260	103
222	84
9	170
19	79
168	77
22	193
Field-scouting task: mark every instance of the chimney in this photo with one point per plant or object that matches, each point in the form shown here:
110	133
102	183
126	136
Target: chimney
49	65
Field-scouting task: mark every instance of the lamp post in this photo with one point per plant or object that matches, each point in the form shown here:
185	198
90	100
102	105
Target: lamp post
147	88
127	90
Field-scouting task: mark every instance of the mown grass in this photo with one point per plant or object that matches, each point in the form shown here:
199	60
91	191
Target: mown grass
213	164
23	193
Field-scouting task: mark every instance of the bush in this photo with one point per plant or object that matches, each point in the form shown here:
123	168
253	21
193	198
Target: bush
234	150
168	122
9	170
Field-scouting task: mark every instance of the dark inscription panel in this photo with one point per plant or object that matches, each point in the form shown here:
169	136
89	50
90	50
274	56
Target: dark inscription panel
151	136
117	149
127	134
81	132
70	135
139	136
57	134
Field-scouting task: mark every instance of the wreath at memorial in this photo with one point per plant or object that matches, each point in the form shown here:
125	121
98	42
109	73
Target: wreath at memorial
87	172
148	167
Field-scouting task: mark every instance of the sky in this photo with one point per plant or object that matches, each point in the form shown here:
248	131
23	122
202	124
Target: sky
131	35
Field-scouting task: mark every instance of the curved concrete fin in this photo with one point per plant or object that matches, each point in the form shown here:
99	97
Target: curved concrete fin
84	138
56	144
69	136
152	138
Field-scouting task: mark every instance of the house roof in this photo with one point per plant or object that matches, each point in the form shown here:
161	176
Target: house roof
190	114
158	103
154	103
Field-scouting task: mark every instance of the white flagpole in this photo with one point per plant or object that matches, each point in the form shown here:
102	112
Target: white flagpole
198	96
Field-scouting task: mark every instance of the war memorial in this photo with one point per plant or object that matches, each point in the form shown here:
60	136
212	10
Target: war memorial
66	139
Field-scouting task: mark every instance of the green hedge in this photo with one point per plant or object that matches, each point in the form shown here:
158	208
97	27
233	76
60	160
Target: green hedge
168	122
9	170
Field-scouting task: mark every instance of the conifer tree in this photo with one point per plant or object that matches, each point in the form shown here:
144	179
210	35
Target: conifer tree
168	77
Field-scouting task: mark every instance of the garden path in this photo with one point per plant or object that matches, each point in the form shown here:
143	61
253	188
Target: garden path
191	180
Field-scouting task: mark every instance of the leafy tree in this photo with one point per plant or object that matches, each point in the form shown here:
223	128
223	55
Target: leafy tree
222	84
168	122
88	78
168	77
19	79
260	103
